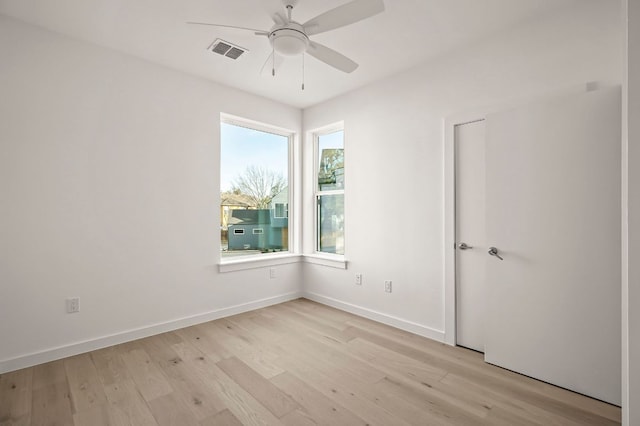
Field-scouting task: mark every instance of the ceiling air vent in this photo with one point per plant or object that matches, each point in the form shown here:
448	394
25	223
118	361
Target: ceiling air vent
227	49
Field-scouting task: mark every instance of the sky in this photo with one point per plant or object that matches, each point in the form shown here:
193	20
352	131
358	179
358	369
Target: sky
242	147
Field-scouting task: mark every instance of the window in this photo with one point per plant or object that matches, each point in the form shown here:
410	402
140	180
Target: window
254	188
281	210
329	151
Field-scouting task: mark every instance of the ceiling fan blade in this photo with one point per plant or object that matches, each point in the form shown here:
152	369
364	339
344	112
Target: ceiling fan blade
258	32
276	10
278	18
331	57
346	14
270	64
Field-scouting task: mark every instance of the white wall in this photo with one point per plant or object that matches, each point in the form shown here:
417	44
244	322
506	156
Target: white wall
394	154
109	191
631	232
109	182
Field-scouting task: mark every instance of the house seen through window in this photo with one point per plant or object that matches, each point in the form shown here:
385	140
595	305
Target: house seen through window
254	189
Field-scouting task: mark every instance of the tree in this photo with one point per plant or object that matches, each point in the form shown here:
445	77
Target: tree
260	184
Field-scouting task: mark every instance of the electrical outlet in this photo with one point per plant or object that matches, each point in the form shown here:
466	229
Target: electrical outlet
358	279
387	286
272	273
73	305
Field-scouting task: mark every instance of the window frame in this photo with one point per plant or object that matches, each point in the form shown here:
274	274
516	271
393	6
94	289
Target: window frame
238	263
317	193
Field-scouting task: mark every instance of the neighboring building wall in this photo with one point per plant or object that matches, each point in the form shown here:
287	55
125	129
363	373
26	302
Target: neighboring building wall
230	202
280	219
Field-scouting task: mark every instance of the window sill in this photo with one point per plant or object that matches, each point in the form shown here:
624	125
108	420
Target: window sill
335	261
259	261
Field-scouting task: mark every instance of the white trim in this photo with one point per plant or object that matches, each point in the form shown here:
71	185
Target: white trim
294	202
315	135
628	413
333	261
76	348
294	177
242	263
449	125
255	125
396	322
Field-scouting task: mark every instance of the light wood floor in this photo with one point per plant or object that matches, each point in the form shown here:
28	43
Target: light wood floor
298	363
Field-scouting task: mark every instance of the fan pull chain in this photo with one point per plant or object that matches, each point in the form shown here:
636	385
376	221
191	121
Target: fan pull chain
273	59
303	71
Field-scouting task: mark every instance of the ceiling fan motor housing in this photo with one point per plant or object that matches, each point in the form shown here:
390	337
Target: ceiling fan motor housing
289	39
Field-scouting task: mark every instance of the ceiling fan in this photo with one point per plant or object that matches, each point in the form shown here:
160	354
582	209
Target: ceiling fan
290	38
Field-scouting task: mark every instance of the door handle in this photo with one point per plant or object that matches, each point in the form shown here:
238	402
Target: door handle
494	252
464	246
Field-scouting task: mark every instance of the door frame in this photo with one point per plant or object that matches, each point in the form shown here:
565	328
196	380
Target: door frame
450	124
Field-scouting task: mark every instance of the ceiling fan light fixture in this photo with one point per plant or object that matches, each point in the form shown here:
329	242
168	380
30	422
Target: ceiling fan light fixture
289	41
290	38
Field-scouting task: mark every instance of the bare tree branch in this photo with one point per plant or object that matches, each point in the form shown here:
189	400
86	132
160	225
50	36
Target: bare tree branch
260	184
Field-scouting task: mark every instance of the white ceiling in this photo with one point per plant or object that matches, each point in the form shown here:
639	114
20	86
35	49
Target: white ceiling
408	33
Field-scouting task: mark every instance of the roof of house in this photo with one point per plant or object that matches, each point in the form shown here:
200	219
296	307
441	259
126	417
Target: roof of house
239	200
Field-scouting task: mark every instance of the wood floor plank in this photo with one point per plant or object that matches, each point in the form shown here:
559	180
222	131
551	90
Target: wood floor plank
394	362
326	357
240	402
243	346
538	408
294	336
299	363
262	390
84	384
15	397
101	415
198	337
323	410
316	318
223	418
170	410
341	388
48	374
309	325
148	377
434	408
190	388
237	342
300	418
343	380
52	404
110	366
126	402
488	375
429	347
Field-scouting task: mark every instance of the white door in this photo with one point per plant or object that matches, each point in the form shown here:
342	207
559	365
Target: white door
553	213
471	256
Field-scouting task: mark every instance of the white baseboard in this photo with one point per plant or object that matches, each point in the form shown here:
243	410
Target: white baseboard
396	322
53	354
